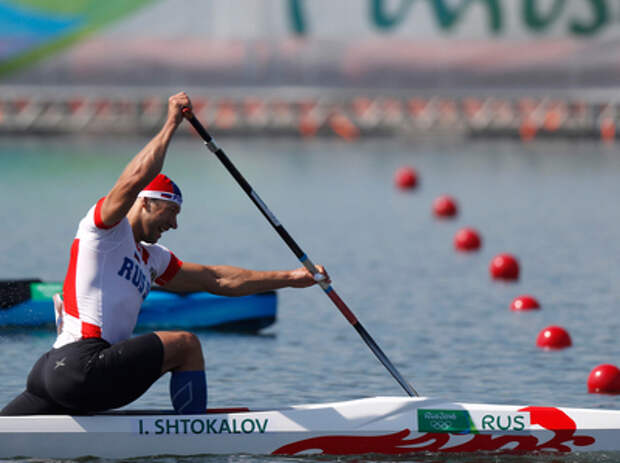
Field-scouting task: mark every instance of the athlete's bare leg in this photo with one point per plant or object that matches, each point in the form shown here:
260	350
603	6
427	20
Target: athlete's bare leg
182	351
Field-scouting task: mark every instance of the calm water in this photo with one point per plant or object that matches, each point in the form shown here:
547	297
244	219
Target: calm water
436	313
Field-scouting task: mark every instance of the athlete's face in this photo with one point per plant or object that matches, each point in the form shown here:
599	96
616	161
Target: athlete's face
161	216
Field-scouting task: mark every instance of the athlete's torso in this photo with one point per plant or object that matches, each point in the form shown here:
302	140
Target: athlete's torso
108	278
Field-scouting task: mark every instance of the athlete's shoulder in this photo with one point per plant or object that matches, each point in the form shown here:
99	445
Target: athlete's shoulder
95	213
93	218
162	260
90	229
156	250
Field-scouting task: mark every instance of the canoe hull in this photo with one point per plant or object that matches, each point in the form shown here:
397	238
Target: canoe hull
160	310
164	310
383	425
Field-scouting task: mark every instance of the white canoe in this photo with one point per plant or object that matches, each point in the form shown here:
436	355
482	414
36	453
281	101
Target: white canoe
381	425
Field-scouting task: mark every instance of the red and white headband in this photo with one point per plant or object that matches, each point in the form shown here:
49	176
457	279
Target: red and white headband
162	188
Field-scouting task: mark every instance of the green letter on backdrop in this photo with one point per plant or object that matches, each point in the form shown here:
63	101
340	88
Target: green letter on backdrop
448	14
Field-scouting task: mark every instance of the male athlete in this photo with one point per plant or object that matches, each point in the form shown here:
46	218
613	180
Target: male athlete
95	364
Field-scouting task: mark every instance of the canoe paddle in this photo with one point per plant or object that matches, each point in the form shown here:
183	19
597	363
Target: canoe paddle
303	258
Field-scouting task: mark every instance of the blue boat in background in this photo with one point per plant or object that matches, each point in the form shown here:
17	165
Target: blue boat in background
28	303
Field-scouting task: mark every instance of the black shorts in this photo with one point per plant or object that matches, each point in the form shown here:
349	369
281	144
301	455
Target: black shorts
89	376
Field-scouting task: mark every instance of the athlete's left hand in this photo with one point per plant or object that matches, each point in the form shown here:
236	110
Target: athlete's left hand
302	278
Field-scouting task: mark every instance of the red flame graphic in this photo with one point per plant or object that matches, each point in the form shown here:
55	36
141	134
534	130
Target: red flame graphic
549	418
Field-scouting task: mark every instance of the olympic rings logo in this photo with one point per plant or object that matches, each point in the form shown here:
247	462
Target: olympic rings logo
441	425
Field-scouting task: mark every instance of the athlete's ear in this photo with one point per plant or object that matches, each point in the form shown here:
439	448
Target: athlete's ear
146	204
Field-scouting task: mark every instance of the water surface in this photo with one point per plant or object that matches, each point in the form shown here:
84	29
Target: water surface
436	313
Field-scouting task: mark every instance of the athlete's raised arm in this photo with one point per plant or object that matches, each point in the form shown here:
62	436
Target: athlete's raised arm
144	166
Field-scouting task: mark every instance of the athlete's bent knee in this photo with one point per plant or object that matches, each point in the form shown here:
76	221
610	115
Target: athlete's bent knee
190	340
182	351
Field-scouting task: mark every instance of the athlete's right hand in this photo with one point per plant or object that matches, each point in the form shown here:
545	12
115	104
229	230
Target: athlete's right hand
176	104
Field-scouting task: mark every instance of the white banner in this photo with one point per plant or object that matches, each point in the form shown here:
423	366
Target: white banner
363	43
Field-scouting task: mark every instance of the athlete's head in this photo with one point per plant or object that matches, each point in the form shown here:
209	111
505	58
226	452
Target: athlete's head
161	204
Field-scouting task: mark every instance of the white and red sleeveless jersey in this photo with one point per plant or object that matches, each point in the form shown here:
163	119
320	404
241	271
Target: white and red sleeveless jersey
108	278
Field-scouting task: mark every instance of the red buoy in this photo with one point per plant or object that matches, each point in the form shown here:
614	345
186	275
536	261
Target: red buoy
406	178
553	337
467	239
604	379
504	267
524	302
445	206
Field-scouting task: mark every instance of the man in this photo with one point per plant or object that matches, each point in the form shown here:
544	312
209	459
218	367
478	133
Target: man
95	364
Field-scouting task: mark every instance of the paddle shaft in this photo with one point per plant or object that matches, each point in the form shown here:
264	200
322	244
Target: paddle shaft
303	258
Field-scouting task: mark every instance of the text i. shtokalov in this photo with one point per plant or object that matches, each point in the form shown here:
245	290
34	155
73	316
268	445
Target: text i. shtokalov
380	425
